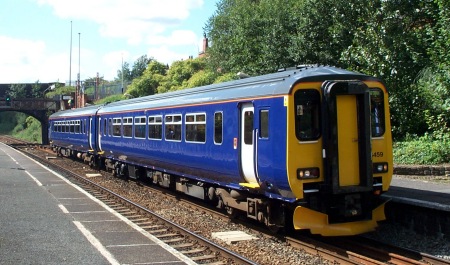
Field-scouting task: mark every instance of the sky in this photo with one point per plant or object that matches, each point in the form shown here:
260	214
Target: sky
54	40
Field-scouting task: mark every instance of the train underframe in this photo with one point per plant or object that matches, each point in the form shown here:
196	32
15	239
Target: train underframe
234	202
272	213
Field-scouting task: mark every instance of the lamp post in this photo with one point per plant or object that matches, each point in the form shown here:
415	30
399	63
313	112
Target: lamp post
70	62
77	90
122	73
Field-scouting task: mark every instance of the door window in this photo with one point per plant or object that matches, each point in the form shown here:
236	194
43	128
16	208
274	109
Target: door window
248	127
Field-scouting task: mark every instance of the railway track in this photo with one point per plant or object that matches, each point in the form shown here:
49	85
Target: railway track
353	250
196	247
362	250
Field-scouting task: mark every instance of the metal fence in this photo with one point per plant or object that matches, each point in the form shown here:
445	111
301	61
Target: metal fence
103	90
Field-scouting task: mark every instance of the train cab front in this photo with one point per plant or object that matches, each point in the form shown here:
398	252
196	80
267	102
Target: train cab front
344	162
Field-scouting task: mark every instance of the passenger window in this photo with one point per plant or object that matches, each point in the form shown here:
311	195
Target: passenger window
173	127
139	127
377	119
307	114
155	127
77	126
72	127
218	127
117	123
195	128
127	127
264	123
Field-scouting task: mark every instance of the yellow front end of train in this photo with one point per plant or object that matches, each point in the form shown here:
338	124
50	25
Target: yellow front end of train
339	155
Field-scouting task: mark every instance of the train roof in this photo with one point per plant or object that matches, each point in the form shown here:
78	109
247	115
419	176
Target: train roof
86	111
275	84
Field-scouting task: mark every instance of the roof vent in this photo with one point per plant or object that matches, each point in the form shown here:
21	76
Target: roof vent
242	75
306	66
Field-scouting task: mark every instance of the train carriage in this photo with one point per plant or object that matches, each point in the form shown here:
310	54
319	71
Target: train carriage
72	131
311	144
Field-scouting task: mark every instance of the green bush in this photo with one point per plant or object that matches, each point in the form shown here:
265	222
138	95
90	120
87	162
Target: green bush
425	150
110	99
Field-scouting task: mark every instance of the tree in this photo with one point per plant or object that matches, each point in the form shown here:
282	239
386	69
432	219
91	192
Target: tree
139	66
180	72
36	91
436	78
17	91
393	46
386	39
262	36
200	78
126	73
149	81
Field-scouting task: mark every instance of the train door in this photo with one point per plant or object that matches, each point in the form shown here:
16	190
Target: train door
99	133
247	147
90	132
347	141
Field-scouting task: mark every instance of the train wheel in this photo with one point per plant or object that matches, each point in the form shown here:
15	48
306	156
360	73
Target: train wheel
231	212
116	172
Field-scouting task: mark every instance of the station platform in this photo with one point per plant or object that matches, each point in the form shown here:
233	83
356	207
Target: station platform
420	192
45	219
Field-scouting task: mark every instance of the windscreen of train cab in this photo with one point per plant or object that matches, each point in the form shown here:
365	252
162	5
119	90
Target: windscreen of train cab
377	112
307	114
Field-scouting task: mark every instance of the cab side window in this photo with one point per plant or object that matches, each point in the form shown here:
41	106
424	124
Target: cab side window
307	115
377	119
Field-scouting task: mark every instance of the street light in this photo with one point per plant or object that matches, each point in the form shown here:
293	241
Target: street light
122	73
51	88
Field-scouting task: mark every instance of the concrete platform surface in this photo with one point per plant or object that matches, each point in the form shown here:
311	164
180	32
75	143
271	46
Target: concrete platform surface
420	192
44	219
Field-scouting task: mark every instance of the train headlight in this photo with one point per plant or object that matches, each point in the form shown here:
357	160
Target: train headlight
380	167
308	173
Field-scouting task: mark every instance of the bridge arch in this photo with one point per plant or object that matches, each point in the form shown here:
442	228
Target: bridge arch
39	109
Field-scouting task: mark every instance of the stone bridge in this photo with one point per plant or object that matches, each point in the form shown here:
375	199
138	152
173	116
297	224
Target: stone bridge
38	108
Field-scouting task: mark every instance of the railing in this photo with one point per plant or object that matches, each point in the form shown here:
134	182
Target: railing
29	104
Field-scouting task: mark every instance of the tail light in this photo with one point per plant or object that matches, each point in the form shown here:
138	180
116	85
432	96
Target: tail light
308	173
380	167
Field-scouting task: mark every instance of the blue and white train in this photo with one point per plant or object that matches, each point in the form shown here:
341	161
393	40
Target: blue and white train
309	148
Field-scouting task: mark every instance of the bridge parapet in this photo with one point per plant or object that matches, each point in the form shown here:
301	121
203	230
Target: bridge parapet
30	104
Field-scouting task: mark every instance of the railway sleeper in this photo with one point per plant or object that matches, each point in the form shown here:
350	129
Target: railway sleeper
194	251
183	246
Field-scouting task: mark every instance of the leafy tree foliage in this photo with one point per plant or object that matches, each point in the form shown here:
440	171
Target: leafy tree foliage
179	73
158	78
60	90
139	66
148	83
436	78
135	71
17	91
200	78
393	46
124	73
248	36
36	91
387	39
